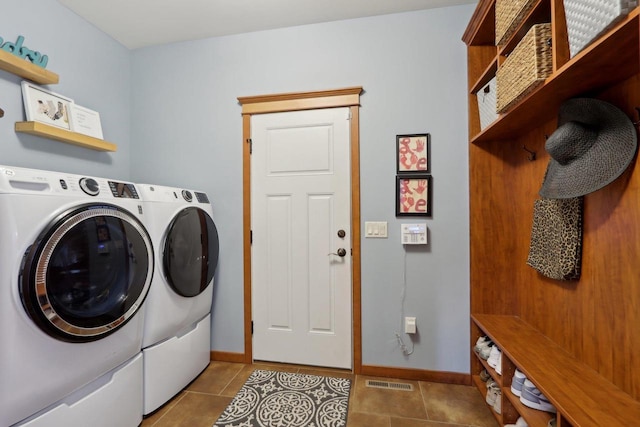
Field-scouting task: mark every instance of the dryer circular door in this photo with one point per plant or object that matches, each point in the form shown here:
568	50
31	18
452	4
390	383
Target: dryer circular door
191	250
87	273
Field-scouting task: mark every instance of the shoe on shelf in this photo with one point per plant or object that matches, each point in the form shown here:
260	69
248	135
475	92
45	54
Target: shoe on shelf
498	366
519	423
517	382
494	354
533	398
484	375
481	342
497	405
552	422
486	351
493	391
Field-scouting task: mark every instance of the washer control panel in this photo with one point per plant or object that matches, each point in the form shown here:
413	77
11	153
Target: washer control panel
187	195
90	186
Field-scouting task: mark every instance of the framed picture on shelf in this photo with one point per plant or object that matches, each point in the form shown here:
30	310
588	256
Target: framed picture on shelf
412	153
413	195
41	105
85	121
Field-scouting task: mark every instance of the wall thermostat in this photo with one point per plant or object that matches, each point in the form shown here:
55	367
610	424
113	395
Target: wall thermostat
414	234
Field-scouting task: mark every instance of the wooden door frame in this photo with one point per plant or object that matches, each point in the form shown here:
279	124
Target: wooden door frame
262	104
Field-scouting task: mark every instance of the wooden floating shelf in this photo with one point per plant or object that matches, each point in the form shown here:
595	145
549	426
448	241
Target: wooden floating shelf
63	135
23	68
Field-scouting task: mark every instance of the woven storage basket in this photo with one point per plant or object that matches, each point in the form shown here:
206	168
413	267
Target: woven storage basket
487	104
527	67
588	19
509	14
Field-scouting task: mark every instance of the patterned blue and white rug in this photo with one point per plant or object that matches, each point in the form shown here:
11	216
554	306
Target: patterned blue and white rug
283	399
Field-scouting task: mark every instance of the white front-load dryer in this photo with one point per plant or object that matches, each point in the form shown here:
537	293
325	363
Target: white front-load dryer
177	327
76	264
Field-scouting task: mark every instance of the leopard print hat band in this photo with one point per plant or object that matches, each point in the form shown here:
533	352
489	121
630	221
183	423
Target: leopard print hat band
593	145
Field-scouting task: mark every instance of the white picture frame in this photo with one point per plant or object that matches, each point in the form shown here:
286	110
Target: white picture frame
41	105
86	121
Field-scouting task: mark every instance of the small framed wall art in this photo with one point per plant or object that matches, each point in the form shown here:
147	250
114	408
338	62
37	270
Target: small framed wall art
44	106
412	153
85	121
413	195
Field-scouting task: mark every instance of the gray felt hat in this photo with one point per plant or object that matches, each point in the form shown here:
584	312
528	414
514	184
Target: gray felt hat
593	145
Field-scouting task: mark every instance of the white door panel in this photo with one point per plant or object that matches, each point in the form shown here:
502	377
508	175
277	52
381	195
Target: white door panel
300	169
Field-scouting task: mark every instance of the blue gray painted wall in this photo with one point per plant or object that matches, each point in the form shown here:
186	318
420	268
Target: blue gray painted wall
94	71
173	112
187	131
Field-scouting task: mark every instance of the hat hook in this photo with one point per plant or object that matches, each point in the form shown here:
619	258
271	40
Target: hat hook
532	154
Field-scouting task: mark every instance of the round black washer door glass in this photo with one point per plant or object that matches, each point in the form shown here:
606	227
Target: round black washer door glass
88	273
191	251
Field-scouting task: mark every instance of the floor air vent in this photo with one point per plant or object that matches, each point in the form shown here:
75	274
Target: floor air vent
389	385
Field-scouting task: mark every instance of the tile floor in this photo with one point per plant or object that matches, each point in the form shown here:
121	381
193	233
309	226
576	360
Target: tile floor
428	405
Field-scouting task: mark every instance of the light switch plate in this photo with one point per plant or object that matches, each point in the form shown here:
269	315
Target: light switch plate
375	229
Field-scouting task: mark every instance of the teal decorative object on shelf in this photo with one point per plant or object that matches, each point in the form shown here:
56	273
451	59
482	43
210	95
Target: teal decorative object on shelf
23	52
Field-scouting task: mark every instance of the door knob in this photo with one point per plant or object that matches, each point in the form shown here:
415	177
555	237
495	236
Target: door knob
341	252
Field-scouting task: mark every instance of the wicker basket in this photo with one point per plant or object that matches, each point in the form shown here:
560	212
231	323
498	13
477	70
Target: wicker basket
527	67
509	14
487	104
588	19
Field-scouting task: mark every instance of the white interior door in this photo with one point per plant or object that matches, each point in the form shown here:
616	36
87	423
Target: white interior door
301	231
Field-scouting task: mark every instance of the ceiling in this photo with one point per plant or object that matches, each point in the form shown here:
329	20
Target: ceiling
140	23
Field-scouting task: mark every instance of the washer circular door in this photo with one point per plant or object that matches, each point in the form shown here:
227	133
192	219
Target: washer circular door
191	250
87	273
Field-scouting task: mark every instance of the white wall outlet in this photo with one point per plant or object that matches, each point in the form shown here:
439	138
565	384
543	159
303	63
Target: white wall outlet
409	325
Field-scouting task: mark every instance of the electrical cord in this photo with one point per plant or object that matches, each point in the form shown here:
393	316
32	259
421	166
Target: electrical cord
403	293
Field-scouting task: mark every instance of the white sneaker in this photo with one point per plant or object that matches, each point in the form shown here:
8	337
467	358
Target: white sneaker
492	394
499	364
519	423
533	398
481	342
486	351
517	382
497	405
494	354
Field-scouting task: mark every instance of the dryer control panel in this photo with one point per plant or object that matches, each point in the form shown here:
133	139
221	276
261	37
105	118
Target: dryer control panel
123	190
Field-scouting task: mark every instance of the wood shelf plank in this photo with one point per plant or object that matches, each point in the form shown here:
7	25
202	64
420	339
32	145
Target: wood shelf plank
63	135
488	74
533	417
23	68
481	28
581	395
613	58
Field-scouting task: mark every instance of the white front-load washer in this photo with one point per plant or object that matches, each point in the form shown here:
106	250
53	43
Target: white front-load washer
76	264
177	328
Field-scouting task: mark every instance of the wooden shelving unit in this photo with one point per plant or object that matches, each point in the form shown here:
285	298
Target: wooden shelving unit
24	68
63	135
614	57
575	340
577	391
